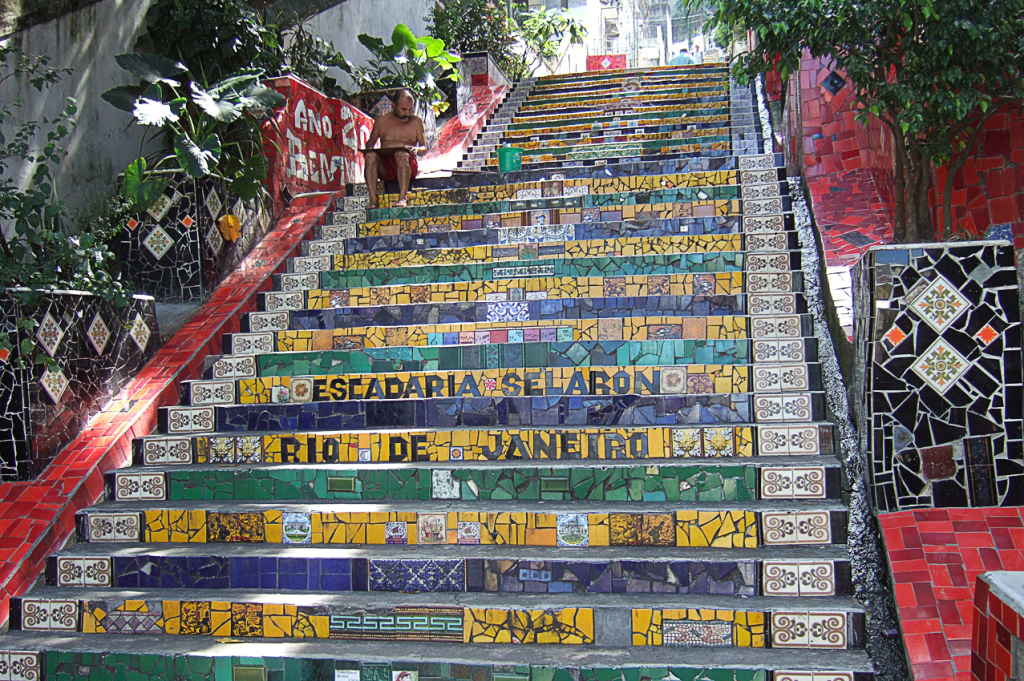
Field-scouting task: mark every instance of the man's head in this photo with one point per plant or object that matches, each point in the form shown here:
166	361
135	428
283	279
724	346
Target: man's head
405	105
685	51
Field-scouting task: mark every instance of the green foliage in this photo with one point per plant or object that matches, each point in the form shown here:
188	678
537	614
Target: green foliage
479	26
930	70
44	246
308	56
214	37
543	31
207	128
407	61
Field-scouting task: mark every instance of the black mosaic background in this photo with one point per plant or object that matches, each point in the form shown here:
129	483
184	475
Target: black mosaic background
929	448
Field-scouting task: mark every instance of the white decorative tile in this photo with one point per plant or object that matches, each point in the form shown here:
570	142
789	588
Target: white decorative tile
98	334
786	528
396	532
759	176
54	382
781	326
767	262
251	343
278	302
771	303
140	332
355	203
76	571
318	263
213	204
158	242
788	440
790	408
938	303
790	630
206	393
798	578
268	321
158	451
768	241
573	530
338	231
787	675
524	194
140	487
431	528
827	630
762	206
20	666
234	366
160	207
780	378
758	162
760	191
770	282
327	247
300	282
214	239
443	485
49	334
301	389
941	366
763	224
113	527
49	614
797	482
182	420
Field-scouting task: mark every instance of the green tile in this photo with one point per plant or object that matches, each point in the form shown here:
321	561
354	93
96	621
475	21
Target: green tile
341	484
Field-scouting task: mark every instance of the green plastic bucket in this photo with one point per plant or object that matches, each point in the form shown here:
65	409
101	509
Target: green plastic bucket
509	159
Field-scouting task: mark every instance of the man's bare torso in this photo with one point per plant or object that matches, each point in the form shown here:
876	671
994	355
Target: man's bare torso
398	133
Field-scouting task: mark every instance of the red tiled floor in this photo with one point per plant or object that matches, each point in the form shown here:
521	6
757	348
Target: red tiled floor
37	516
935	584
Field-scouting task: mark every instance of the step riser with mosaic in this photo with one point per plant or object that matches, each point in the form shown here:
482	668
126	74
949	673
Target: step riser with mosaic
624	106
551	411
708	119
537	108
486	621
572	187
554	265
639	328
571	197
532	147
630	87
807	442
398	355
329	255
669	166
652	112
541	234
596	78
629	153
750	577
402	384
219	522
635	482
572	216
523	289
607	121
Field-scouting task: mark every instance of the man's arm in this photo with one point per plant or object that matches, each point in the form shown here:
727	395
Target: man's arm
374	136
421	138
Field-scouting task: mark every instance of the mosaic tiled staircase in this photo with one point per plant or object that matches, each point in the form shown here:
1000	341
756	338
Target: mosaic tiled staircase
580	409
490	137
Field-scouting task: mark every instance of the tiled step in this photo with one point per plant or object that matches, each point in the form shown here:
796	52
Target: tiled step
724	525
639	328
535	310
346	660
624	410
772	572
533	282
625	481
471	619
342	272
696	444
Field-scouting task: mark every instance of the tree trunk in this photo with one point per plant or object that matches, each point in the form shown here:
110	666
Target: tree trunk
919	224
899	227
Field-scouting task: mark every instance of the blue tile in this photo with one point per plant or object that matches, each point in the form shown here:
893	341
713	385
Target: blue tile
245	573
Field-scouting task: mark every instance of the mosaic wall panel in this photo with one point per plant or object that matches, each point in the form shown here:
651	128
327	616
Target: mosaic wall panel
938	335
698	628
717	529
175	250
95	347
996	649
77	666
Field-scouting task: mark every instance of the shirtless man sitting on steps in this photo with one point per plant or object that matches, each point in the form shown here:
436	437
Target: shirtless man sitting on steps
399	129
